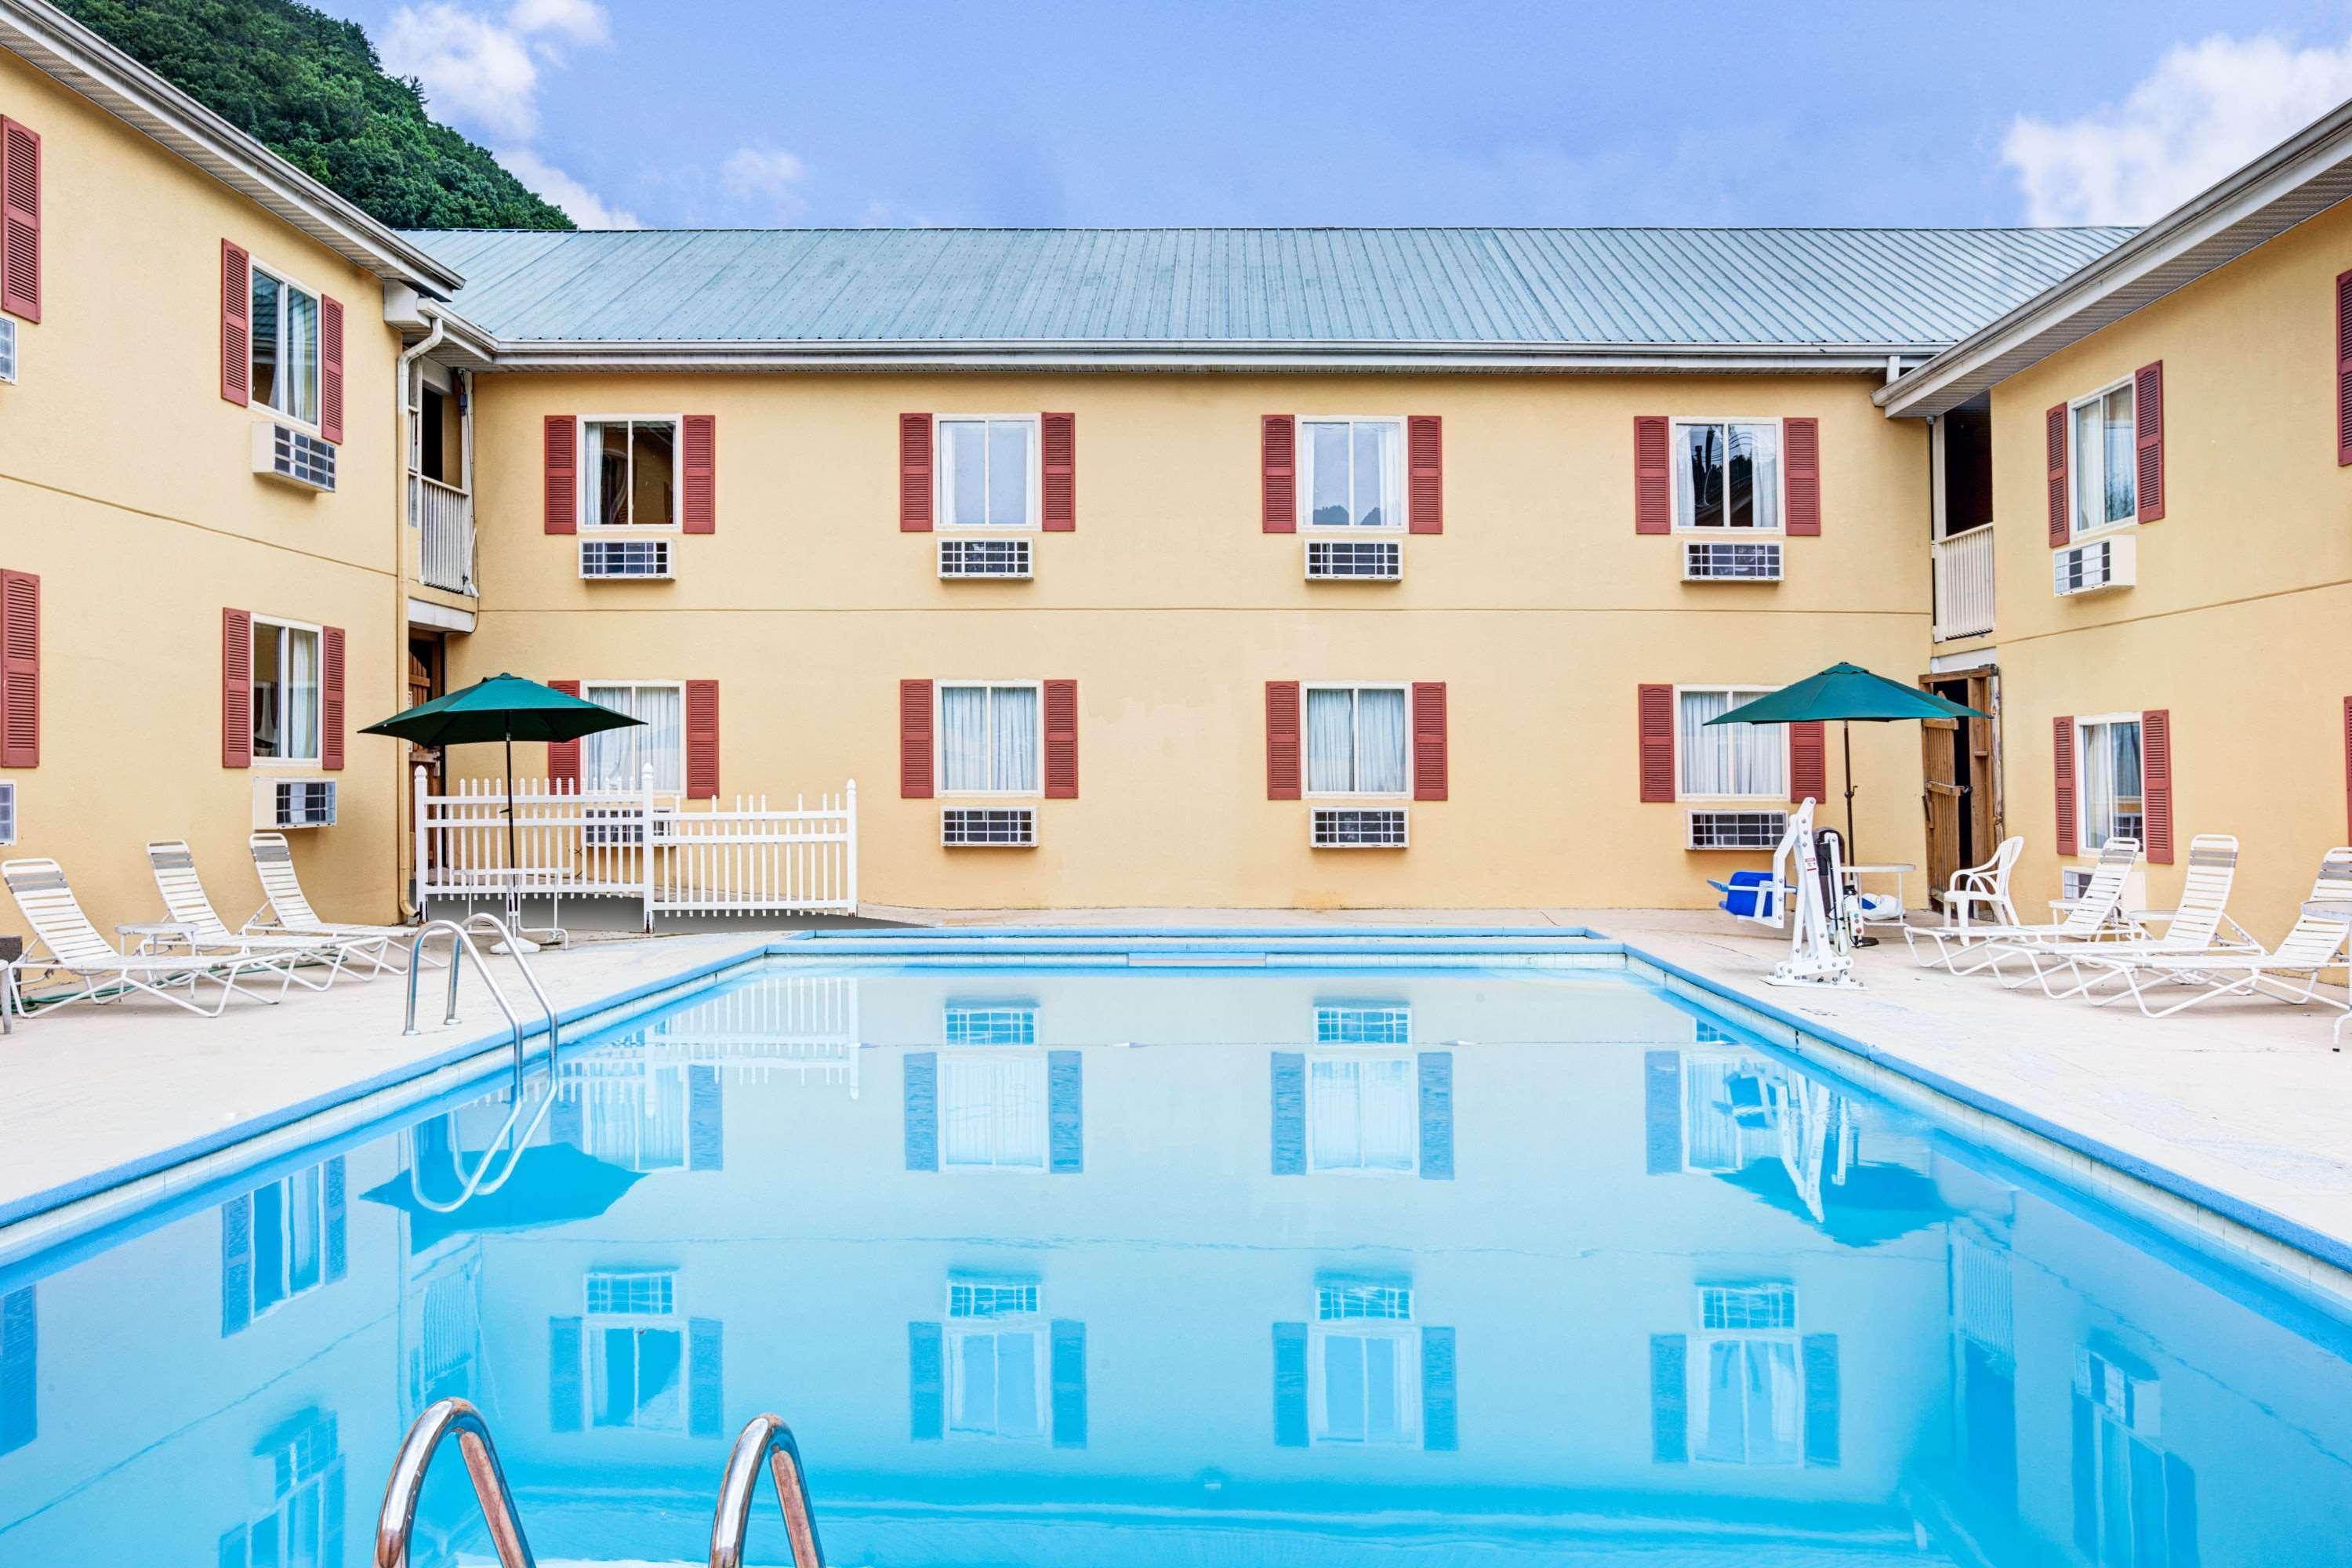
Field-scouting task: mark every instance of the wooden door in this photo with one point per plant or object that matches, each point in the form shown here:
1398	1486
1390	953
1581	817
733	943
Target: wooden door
1945	793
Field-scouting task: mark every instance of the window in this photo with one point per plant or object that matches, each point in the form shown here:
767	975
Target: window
630	472
983	1024
996	1360
1355	740
616	759
1729	761
289	1237
2112	801
285	691
1344	1024
1748	1399
1352	473
989	741
2135	1503
992	1112
285	335
632	1115
1363	1365
984	471
1364	1113
306	1483
1727	474
637	1349
2105	462
648	1294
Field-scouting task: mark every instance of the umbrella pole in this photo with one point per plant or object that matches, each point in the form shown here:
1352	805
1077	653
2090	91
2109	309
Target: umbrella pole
1847	728
514	865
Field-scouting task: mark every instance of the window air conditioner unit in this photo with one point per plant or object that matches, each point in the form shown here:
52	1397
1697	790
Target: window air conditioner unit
293	802
988	828
1737	829
644	559
7	348
2074	882
623	826
294	456
985	558
1725	560
1357	827
1355	560
2095	567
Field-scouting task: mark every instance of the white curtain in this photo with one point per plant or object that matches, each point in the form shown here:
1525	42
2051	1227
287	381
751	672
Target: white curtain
301	354
1729	758
301	694
963	738
988	739
1376	474
1331	741
1355	741
2111	781
1013	718
993	1110
615	759
1379	743
1752	1402
1364	1114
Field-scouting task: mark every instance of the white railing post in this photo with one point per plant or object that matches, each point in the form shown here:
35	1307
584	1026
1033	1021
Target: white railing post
646	842
423	804
849	851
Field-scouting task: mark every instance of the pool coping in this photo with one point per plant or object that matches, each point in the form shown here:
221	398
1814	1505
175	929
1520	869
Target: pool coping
53	1214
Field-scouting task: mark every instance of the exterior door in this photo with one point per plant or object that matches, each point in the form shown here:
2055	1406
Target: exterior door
1960	775
1946	797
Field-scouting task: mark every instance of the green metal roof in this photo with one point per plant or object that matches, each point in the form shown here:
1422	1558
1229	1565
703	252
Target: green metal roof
1854	289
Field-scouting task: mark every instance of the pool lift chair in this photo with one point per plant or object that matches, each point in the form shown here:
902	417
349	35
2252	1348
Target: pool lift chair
1813	906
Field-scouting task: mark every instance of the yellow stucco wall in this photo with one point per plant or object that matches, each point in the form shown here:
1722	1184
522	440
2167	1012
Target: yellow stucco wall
1538	606
2238	623
126	484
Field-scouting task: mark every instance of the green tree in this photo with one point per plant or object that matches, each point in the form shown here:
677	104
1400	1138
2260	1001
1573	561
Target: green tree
311	87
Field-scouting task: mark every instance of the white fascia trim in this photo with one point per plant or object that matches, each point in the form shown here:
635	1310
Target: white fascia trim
2225	221
426	613
58	47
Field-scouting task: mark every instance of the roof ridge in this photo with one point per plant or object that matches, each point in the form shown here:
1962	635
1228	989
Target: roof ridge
1316	228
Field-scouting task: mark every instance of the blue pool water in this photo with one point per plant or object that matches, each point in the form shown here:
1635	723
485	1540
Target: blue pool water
1207	1266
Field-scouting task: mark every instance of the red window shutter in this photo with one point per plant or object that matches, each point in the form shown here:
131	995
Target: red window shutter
2148	404
559	441
331	369
702	739
1282	739
2344	369
1425	447
1653	494
2053	432
237	688
1808	767
1277	448
2156	785
699	439
20	221
330	696
2061	768
1802	438
915	474
2348	770
1057	441
563	756
20	670
1061	740
1429	758
1657	743
237	322
915	765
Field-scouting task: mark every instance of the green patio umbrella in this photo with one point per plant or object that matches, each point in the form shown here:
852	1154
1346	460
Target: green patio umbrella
1845	692
505	708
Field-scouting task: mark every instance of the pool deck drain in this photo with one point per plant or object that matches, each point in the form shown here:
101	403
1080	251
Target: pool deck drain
2243	1097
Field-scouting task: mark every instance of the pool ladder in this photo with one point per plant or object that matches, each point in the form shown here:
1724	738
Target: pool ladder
461	944
765	1439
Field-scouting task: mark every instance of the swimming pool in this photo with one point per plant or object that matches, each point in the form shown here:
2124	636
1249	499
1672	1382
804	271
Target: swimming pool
1198	1266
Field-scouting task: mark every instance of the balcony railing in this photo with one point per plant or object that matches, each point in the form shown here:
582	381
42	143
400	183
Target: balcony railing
1964	584
444	517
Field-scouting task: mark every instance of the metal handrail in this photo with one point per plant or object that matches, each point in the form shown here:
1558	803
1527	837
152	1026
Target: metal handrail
762	1437
397	1520
462	942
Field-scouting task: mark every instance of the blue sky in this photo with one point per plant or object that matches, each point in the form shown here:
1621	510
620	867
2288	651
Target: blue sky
734	112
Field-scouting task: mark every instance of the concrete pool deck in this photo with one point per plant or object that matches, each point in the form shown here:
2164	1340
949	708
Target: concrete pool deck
2241	1096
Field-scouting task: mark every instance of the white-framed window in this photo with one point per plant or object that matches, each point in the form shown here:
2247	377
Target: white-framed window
988	470
1726	762
636	1350
289	1238
616	759
1351	472
1359	1024
633	1114
7	811
2114	802
1364	1113
285	691
1747	1390
305	1468
2105	460
1727	474
997	1359
988	1023
2143	1504
1356	741
629	471
990	741
1363	1367
285	346
993	1110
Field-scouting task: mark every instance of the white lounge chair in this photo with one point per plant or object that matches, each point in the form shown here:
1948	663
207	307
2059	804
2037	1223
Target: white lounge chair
2091	917
2195	926
69	945
1985	886
175	864
2289	972
287	912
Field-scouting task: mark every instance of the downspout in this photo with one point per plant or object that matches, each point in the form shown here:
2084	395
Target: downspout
401	803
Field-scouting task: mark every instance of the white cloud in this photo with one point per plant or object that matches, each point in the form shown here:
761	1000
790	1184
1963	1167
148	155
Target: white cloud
586	208
768	175
2205	110
573	21
474	70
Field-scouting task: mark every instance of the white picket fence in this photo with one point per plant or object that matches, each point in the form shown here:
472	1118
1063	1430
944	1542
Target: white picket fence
674	856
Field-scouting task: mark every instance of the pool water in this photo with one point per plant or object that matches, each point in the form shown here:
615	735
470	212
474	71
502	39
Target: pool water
1105	1267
